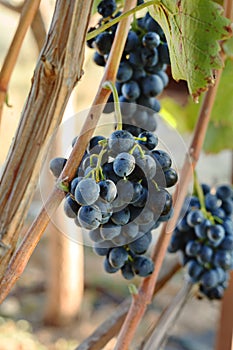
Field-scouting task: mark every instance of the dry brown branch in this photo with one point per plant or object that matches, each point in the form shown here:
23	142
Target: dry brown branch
157	334
10	6
55	76
54	101
37	25
110	327
28	12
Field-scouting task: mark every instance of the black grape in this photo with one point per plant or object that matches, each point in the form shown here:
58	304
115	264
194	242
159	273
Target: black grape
56	165
141	75
71	207
106	7
89	216
143	266
87	191
114	195
117	257
205	239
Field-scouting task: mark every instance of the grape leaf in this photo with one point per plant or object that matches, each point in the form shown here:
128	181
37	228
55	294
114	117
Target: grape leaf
192	30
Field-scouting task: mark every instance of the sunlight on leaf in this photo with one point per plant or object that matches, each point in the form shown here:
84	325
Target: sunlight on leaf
193	30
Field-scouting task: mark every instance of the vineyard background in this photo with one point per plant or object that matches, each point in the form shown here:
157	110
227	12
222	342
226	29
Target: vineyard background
21	322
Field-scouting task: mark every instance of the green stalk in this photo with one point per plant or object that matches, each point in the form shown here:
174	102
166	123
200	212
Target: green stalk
101	29
109	85
200	194
201	197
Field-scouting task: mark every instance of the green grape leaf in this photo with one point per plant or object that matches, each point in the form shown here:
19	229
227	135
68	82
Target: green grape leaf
193	30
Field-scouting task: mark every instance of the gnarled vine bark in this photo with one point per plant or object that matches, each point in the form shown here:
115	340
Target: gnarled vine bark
58	70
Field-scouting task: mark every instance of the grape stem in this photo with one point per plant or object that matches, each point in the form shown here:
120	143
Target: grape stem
201	198
137	146
97	172
109	85
200	194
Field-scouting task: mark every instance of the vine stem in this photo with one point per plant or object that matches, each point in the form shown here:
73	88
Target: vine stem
25	249
158	332
225	324
109	85
124	15
145	292
37	25
111	326
29	10
200	194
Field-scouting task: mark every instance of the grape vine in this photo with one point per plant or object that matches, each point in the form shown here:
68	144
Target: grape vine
116	187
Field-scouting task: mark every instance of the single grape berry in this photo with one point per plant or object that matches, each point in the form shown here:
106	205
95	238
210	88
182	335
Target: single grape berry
124	73
152	85
140	245
108	190
127	271
106	8
71	207
117	257
120	141
216	234
224	191
56	165
123	164
89	217
143	266
121	217
87	191
151	40
131	90
151	140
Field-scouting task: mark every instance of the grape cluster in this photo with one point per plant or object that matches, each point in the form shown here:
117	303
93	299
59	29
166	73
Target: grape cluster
119	194
205	238
141	76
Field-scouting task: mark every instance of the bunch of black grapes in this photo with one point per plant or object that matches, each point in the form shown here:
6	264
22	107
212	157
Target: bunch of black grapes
205	239
141	76
119	194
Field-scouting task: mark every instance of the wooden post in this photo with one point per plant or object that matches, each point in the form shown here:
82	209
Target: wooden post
65	276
